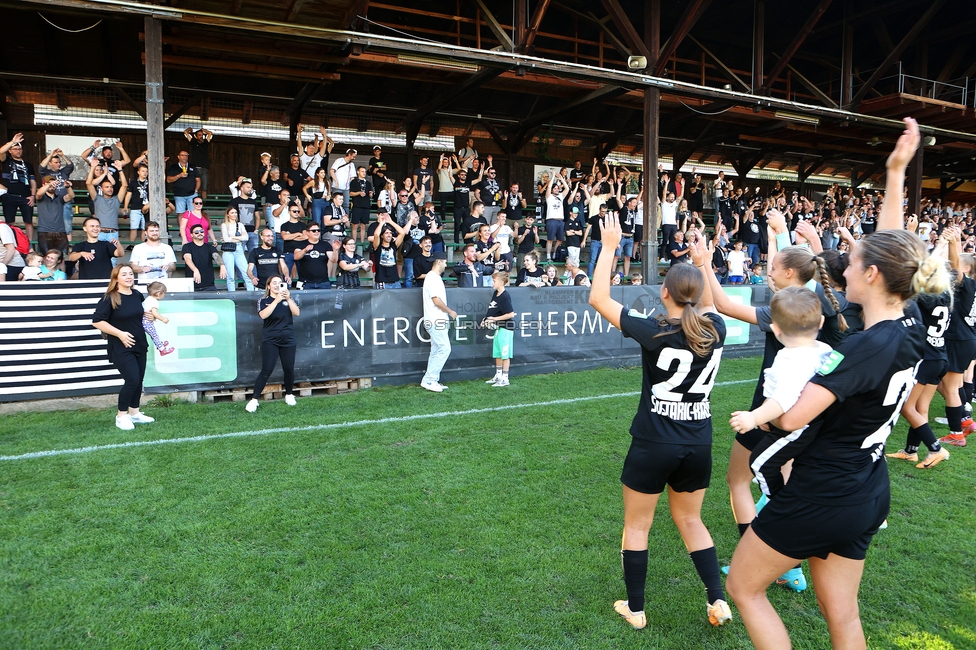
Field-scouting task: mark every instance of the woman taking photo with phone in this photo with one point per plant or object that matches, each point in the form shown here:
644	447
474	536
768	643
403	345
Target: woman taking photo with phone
277	309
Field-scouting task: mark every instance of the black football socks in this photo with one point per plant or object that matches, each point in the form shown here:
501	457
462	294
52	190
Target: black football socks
706	563
635	577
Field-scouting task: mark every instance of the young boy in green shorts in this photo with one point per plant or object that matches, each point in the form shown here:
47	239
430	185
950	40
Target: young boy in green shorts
501	318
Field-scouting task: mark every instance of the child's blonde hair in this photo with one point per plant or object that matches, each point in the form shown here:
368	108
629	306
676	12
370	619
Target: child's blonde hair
796	311
156	289
33	257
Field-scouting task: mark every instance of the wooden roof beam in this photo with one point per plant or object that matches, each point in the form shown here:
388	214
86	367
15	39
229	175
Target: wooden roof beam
600	23
449	94
896	53
812	87
801	36
181	111
691	15
724	68
622	21
603	93
537	15
296	6
496	27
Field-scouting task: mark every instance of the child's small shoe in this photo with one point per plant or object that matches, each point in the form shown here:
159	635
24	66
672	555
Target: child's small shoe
166	351
165	344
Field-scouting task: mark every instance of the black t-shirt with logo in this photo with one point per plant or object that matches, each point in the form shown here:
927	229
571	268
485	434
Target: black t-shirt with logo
265	263
384	260
749	233
99	268
490	192
574	222
271	191
314	265
183	186
628	219
246	209
501	304
377	165
279	326
462	192
513	207
17	175
428	222
202	257
360	185
425	179
674	406
290	245
138	194
348	279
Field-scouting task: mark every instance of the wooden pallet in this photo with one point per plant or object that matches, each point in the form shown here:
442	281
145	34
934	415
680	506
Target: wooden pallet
276	391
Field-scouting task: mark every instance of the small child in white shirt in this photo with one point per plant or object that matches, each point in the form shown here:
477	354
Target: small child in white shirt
33	269
797	318
737	264
150	306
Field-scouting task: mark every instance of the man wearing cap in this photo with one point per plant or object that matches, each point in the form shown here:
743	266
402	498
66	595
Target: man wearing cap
377	168
50	216
437	322
489	192
245	202
341	172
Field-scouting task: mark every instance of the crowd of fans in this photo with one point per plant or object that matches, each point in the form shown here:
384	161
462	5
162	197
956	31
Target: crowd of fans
322	220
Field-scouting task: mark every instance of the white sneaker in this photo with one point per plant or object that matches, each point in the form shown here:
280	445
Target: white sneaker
500	383
433	387
443	387
252	406
941	421
290	400
493	379
141	418
124	422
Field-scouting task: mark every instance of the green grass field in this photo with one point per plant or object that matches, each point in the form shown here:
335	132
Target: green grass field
499	528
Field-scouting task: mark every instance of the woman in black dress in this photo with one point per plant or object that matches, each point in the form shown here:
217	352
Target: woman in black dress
277	310
672	431
118	316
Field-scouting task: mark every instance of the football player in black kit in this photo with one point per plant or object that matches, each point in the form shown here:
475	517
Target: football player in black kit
838	494
960	346
672	431
934	312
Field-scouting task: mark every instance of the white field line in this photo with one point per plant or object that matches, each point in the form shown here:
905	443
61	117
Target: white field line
324	427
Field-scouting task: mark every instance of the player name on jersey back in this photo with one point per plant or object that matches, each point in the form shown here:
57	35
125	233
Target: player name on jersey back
681	411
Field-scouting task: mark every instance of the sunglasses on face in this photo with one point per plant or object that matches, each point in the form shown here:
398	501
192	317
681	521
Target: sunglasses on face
197	232
198	203
296	211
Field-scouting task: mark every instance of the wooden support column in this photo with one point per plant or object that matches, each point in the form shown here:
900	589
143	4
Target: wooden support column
847	57
758	44
652	120
154	123
915	182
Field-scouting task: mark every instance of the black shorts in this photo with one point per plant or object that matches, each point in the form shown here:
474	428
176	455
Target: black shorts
960	353
801	529
652	465
359	215
931	371
750	439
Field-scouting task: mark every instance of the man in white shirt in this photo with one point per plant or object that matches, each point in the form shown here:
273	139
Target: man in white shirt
437	322
501	232
342	172
310	156
152	259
